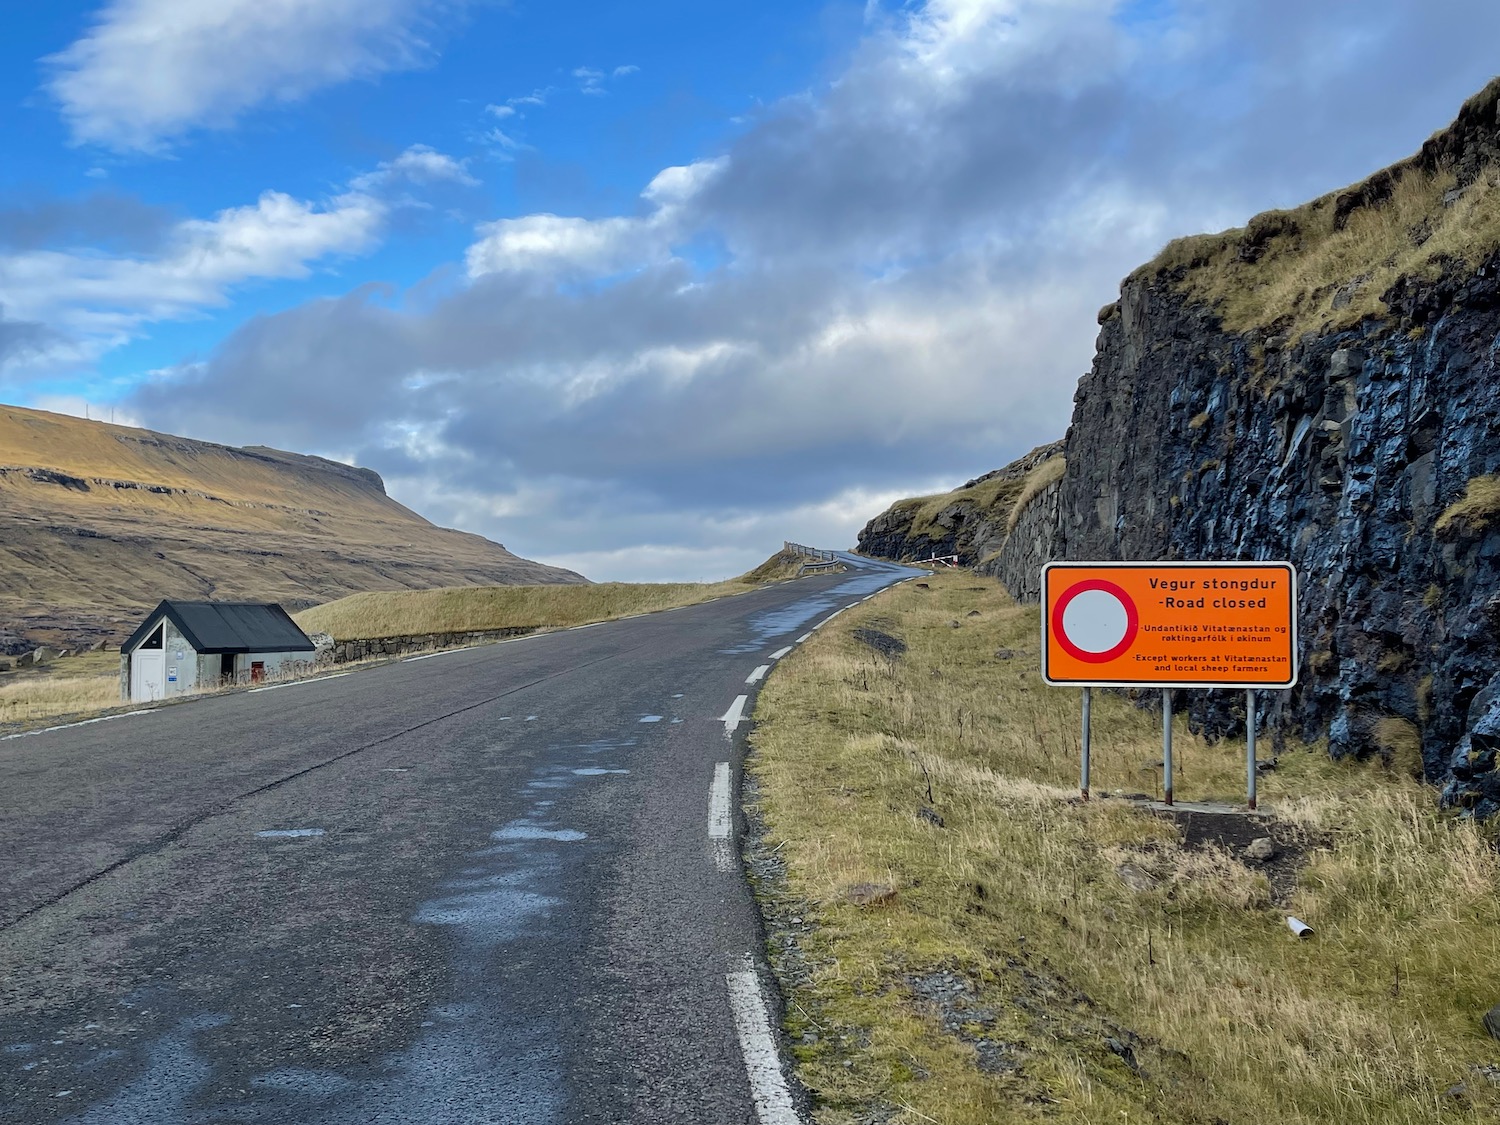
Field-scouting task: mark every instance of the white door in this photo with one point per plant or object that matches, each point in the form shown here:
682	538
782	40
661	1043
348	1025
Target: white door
148	674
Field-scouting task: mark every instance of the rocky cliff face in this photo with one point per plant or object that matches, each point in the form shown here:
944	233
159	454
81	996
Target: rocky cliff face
1322	386
99	522
971	522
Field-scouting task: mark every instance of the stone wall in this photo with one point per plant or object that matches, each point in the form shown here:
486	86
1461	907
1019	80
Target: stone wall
343	652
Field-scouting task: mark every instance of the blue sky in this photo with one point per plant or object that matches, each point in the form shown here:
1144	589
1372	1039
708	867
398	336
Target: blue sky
642	289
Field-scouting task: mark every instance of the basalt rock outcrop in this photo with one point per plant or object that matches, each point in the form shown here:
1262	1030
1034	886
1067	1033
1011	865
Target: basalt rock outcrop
1322	386
971	522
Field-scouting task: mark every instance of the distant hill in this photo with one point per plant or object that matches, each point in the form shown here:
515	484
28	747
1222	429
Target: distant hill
99	522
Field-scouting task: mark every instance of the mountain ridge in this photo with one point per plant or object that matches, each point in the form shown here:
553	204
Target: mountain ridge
99	522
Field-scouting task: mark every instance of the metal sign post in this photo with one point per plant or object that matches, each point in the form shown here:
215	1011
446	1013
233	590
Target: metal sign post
1170	625
1250	746
1166	746
1087	701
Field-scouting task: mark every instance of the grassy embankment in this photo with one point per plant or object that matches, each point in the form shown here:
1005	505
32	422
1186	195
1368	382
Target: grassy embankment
1088	964
402	613
76	687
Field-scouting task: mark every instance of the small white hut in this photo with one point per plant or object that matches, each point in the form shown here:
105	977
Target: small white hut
184	647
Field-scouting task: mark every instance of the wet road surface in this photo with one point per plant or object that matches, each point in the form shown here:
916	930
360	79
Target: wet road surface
496	885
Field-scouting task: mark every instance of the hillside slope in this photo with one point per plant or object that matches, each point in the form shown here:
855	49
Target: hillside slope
98	522
1323	386
972	521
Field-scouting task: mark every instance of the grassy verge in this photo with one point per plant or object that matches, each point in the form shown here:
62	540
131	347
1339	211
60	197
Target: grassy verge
74	685
1037	958
465	608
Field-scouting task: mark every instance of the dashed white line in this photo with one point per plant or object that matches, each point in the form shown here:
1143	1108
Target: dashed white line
70	726
719	824
768	1090
735	715
802	638
650	718
298	683
780	652
759	674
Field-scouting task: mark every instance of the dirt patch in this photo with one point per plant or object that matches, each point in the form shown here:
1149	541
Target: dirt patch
888	646
1235	831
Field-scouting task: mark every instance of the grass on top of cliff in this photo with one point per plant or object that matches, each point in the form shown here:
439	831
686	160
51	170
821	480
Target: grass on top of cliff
1303	271
461	609
997	494
1037	958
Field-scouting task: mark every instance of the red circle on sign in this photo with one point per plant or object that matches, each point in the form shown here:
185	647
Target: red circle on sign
1132	621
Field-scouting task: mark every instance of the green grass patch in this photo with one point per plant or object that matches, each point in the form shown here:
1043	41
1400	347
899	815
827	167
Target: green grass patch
1083	999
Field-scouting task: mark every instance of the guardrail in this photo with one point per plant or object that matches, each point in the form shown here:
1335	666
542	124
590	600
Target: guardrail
808	552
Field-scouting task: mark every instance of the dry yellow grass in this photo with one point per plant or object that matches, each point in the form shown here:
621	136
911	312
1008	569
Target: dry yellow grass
1306	260
1479	505
995	494
1368	1023
75	685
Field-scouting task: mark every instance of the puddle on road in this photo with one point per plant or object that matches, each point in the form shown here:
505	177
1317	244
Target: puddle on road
870	578
521	830
288	833
469	1061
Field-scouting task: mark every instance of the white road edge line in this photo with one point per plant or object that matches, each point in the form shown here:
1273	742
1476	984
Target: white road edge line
759	674
780	652
298	683
735	715
768	1090
80	723
802	638
719	825
445	652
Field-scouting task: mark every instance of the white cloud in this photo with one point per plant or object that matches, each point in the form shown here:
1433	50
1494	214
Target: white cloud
501	111
622	71
419	164
95	301
562	246
148	71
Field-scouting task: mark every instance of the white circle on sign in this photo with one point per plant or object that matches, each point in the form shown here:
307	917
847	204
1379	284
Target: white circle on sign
1095	621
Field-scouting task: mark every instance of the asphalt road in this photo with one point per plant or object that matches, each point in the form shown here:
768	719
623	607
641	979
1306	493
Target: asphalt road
491	886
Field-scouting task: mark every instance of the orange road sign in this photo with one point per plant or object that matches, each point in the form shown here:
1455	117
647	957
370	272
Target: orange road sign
1169	624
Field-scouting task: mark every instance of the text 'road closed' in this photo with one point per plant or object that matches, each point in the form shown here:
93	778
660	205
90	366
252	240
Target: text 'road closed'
1170	624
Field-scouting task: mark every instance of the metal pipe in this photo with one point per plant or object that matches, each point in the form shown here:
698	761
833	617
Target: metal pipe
1298	927
1087	700
1250	745
1166	745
